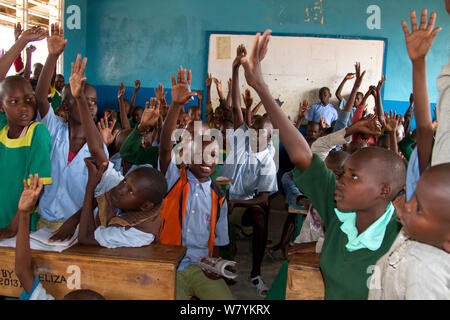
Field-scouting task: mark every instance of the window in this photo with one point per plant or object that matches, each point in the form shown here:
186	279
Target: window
29	13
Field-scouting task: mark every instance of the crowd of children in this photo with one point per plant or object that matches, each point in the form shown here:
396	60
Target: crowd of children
377	195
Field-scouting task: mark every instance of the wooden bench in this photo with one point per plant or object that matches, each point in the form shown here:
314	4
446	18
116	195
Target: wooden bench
146	273
297	211
304	279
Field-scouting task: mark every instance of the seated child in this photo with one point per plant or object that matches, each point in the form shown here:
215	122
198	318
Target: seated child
32	287
183	120
252	168
417	265
194	213
127	215
357	212
322	109
24	144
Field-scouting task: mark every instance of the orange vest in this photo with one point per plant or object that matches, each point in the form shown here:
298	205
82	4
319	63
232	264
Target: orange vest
174	208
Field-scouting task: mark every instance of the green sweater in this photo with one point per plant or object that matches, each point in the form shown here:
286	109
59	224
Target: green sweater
132	151
345	273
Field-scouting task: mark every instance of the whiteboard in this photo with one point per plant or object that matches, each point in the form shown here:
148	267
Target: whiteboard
295	68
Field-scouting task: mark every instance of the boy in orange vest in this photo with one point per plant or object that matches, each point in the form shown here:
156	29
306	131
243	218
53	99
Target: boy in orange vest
194	212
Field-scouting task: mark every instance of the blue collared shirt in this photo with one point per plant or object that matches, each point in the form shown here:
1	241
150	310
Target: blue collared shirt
317	110
65	195
251	172
197	218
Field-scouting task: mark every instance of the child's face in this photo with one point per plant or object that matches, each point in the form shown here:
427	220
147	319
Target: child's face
137	115
210	153
359	99
263	134
19	104
37	69
313	131
183	120
419	218
194	114
358	188
324	96
127	196
59	82
91	97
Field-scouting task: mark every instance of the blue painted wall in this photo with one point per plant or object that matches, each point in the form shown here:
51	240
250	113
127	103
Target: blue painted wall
149	40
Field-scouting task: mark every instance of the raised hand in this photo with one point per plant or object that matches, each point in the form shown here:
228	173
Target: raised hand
56	42
323	123
380	84
248	99
368	126
411	99
137	84
180	89
30	49
241	52
219	88
252	66
199	95
208	80
303	108
150	116
94	173
106	130
17	30
30	194
160	94
77	79
121	92
34	34
391	121
349	76
358	74
420	40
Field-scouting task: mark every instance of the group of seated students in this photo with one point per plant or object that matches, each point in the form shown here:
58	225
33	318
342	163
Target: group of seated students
147	175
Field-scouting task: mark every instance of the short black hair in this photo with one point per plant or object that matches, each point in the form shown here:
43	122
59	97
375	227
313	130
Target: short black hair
13	81
152	182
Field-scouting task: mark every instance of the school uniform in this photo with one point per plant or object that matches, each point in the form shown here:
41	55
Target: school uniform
66	195
37	292
19	158
194	215
317	110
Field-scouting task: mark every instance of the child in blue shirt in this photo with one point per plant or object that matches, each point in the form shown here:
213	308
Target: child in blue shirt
322	109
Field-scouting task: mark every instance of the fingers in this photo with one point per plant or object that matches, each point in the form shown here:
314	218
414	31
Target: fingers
189	77
413	21
173	81
255	50
423	19
264	44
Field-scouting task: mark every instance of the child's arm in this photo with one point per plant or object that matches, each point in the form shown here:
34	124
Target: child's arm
93	137
161	95
341	86
366	96
419	43
137	85
228	101
199	98
378	102
256	109
219	90
6	61
123	114
23	267
359	78
296	146
238	118
27	71
208	106
56	45
87	220
180	96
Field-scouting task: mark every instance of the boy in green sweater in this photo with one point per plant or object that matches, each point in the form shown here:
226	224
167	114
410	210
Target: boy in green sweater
359	218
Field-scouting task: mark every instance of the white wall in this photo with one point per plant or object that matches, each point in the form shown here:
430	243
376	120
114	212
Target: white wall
296	68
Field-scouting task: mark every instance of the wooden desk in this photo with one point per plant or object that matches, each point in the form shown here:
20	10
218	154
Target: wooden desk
297	211
304	279
146	273
224	182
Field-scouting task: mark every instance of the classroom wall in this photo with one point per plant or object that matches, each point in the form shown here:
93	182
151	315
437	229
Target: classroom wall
149	40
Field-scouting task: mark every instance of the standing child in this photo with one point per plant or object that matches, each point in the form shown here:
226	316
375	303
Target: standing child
24	144
252	168
357	212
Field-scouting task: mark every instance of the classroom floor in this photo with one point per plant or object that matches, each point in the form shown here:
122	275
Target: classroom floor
242	290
